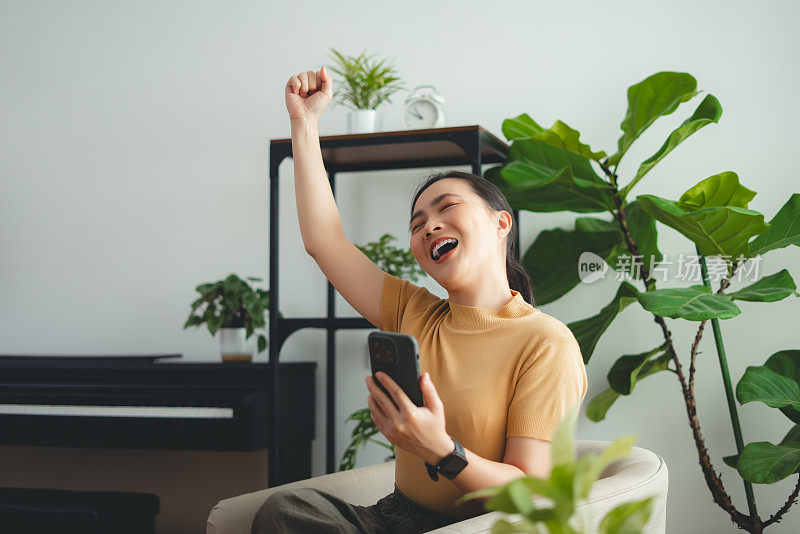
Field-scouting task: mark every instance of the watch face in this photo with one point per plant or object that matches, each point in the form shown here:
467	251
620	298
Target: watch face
453	466
420	114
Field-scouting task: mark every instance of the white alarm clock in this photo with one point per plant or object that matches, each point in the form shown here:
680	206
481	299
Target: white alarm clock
424	109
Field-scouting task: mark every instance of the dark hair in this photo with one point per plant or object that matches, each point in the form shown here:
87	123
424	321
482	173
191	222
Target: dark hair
518	278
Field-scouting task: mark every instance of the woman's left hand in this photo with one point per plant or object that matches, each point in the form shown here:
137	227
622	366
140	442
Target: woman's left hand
419	430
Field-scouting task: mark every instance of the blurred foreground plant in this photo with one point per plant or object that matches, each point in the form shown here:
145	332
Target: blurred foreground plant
568	486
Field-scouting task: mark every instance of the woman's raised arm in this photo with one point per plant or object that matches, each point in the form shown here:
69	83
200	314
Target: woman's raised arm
353	275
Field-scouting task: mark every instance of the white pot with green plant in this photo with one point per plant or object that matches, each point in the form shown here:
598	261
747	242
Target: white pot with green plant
365	84
235	310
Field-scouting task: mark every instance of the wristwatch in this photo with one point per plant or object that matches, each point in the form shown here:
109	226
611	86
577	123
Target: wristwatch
450	466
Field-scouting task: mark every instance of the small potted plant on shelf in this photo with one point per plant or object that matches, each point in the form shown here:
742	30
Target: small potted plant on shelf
236	310
397	262
366	83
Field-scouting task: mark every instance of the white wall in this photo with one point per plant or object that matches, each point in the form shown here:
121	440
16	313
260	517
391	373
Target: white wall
133	160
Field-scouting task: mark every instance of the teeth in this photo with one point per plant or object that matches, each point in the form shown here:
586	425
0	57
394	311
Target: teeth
439	245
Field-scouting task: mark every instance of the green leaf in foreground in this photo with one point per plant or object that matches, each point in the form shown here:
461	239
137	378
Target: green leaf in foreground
768	289
627	518
569	483
552	260
563	444
722	189
653	97
707	112
588	331
764	463
598	407
721	230
760	383
586	477
784	229
694	303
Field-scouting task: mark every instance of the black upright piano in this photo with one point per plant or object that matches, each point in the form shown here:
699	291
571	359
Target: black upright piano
156	403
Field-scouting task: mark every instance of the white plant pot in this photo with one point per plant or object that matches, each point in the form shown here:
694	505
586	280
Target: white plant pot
233	345
361	121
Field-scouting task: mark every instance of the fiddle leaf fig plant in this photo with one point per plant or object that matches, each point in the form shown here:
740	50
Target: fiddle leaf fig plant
550	170
397	262
231	303
568	486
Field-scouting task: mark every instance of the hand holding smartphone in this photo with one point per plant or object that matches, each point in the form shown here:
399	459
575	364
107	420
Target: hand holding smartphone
397	355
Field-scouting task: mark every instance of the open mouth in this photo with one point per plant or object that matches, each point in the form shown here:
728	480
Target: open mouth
442	250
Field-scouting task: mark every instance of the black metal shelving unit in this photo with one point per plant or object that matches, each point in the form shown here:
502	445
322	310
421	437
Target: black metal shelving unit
406	149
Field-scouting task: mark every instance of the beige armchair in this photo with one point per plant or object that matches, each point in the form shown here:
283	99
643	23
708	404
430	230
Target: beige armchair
641	474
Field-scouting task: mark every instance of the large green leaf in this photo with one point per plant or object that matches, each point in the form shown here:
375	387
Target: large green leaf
764	463
722	189
707	112
624	372
588	331
552	260
694	303
760	383
559	135
721	230
769	289
546	178
520	127
598	407
787	363
792	435
627	518
538	199
653	97
784	229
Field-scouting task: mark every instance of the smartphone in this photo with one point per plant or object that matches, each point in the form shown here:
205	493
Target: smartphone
397	355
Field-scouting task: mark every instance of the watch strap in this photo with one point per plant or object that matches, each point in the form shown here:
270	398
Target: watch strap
446	467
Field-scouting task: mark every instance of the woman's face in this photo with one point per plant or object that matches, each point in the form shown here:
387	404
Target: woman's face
465	217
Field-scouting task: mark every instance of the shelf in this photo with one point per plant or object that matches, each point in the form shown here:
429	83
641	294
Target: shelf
403	149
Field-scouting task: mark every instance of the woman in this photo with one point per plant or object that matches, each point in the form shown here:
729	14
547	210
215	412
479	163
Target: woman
505	373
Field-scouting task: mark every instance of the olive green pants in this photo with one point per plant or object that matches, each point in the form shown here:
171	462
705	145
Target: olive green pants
311	511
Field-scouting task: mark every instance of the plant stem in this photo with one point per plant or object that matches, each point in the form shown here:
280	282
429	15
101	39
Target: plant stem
726	379
720	496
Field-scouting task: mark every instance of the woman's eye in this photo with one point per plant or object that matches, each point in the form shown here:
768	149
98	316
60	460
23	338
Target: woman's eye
443	208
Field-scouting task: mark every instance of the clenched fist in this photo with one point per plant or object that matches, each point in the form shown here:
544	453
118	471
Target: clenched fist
308	93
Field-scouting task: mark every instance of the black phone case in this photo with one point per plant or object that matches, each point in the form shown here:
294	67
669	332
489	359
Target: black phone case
405	368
